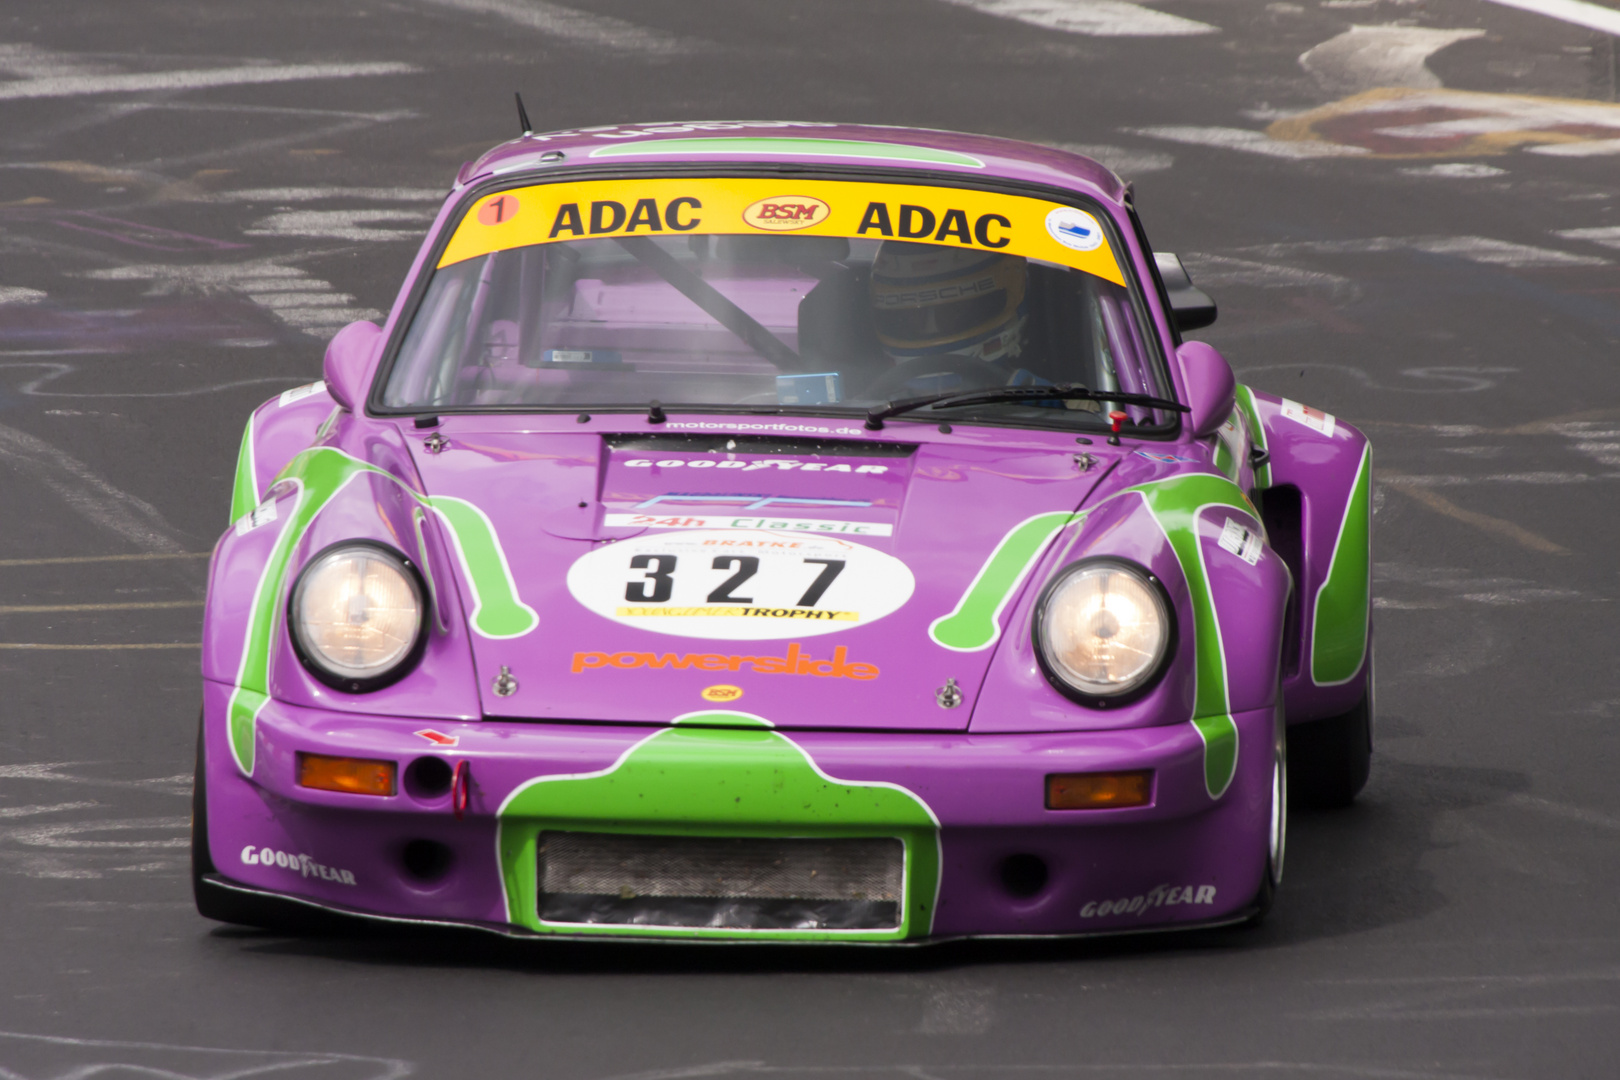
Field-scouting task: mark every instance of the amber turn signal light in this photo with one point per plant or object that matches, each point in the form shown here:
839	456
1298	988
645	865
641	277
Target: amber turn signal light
1098	790
352	775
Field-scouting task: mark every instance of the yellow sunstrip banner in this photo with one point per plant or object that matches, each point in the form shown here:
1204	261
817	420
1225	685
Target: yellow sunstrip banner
961	217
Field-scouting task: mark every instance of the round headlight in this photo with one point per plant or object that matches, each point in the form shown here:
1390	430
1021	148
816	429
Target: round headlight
1103	628
356	615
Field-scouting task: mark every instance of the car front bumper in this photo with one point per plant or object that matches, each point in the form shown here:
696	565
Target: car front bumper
984	856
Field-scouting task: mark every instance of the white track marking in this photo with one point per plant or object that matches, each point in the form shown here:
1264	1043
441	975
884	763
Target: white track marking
1594	148
1220	270
1095	18
1607	235
320	194
57	86
28	61
1479	249
1253	142
580	27
356	226
320	310
69	835
1456	170
97	501
83	1058
1591	16
31	811
1123	160
16	294
1369	57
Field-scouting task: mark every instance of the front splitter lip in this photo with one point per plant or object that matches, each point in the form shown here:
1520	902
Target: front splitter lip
514	932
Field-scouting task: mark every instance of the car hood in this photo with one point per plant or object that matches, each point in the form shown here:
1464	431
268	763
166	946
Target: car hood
664	575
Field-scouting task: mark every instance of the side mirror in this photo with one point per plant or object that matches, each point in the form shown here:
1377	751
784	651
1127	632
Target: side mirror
351	359
1211	386
1191	307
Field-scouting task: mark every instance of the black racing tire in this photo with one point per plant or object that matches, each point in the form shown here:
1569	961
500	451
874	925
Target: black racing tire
1330	760
1277	828
215	901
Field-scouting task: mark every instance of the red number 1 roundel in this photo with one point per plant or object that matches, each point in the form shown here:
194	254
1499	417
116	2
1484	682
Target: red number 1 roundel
499	209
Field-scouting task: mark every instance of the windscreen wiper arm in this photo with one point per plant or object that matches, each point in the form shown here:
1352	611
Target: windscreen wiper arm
1062	392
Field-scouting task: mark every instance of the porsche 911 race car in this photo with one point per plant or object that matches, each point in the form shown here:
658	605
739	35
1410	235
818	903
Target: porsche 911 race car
780	531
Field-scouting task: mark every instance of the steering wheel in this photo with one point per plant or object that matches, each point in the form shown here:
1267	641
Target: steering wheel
976	374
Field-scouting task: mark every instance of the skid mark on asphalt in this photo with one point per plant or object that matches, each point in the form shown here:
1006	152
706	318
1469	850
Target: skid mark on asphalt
1094	18
1493	526
86	493
36	1057
288	292
578	27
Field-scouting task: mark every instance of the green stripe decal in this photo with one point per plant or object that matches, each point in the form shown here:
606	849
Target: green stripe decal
245	489
975	622
735	781
1175	504
777	147
1220	735
1339	627
317	476
1257	432
497	611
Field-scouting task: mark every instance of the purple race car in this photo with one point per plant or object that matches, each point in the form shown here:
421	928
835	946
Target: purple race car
781	531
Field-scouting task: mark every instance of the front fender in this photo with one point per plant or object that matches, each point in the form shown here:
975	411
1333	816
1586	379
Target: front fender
1199	535
357	487
1316	490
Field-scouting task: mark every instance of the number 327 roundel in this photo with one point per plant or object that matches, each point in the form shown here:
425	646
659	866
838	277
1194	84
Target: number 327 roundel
739	585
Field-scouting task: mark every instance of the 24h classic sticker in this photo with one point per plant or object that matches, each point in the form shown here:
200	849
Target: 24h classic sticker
740	585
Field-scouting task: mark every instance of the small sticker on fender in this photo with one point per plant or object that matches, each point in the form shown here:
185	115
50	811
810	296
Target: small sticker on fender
1237	539
299	393
262	514
1315	419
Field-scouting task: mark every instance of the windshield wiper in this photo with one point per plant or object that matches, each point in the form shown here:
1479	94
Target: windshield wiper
1061	392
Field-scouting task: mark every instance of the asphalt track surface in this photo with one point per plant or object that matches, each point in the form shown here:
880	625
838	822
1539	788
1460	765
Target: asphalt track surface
195	195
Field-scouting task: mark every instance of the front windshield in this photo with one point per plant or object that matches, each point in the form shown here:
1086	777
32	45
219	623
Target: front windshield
603	302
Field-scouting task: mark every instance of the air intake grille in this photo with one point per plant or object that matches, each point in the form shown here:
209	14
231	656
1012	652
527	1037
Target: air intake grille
721	882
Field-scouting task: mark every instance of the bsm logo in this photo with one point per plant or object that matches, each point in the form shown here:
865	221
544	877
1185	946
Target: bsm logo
784	213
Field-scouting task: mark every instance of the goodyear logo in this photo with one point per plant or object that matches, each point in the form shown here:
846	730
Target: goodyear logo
784	213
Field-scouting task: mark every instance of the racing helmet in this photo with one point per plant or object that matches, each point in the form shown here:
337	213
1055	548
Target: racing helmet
930	300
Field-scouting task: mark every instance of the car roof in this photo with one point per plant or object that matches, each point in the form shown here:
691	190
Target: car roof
781	142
